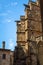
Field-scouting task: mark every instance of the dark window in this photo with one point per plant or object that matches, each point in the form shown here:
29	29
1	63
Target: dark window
4	56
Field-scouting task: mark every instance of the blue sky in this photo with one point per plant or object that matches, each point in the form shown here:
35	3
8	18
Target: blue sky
10	10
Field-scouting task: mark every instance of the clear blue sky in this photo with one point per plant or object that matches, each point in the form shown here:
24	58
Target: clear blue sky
10	10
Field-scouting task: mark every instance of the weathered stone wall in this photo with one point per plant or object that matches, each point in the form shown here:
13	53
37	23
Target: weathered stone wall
29	30
7	59
40	52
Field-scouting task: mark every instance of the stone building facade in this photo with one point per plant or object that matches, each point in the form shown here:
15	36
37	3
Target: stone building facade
30	35
6	56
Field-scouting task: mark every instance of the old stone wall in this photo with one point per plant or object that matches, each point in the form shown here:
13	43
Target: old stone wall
5	57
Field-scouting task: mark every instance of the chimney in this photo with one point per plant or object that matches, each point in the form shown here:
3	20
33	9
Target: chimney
3	44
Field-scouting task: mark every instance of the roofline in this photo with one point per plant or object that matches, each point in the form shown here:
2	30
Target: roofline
5	49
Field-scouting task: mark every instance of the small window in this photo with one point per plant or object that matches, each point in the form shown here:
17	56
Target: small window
4	56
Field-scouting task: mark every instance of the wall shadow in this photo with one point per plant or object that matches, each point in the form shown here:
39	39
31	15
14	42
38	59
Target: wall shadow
19	56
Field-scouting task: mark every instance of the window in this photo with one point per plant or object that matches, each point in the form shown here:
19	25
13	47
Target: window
4	56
